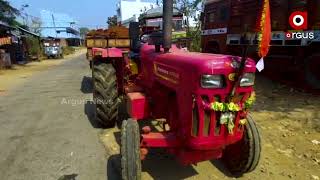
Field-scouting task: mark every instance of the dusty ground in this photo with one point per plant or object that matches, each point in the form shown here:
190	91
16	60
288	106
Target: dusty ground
9	78
47	132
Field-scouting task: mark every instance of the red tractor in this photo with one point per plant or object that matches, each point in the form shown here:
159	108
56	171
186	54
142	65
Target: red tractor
199	101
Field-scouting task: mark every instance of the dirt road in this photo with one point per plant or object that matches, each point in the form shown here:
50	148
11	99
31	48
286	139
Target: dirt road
47	132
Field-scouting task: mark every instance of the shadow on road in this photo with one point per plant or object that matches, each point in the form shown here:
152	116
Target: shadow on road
68	177
86	85
114	167
219	165
158	164
89	110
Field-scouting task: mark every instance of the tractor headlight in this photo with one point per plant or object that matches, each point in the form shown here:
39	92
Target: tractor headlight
211	81
247	80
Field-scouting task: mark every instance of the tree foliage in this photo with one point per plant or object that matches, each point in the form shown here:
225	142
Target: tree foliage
83	31
8	13
33	44
189	10
112	21
35	25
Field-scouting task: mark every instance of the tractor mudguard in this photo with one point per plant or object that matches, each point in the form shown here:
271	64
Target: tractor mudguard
107	52
115	52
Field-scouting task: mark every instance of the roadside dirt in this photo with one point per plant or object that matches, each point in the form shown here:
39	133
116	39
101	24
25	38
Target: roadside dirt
10	78
289	123
45	132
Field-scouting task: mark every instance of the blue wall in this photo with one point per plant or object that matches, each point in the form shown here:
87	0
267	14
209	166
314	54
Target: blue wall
53	22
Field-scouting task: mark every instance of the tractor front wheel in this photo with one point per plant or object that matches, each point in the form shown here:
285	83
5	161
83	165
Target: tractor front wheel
105	94
243	156
130	150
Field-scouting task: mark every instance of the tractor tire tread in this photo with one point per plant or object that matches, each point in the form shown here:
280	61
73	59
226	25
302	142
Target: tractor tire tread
130	150
105	93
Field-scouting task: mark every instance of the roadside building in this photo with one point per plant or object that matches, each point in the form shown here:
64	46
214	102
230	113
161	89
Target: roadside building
17	45
61	26
153	18
130	10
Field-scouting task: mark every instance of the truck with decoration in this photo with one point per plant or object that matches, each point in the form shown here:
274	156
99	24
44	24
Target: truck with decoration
228	25
194	105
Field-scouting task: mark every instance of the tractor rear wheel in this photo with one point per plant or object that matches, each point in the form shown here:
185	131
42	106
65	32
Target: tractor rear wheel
130	150
244	156
105	94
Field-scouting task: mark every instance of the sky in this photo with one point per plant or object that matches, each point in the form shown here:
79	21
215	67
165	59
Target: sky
87	13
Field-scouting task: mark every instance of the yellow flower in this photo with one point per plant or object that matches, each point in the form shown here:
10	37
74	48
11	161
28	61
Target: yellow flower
250	101
233	107
217	106
243	121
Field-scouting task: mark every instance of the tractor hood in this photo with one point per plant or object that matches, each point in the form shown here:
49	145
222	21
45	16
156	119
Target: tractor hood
181	69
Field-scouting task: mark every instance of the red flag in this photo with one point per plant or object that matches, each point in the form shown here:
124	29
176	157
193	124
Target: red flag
265	30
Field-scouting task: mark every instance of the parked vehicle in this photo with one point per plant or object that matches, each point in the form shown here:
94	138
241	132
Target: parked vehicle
53	52
229	25
199	101
52	48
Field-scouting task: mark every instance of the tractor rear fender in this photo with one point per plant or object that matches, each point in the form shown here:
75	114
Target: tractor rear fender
137	105
107	52
114	53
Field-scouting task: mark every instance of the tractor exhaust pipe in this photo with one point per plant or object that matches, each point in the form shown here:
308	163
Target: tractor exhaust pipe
167	24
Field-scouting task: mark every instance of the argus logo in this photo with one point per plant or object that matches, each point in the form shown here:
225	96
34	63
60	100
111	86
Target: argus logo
299	20
300	35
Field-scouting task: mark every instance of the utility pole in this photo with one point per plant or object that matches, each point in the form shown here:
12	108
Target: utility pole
54	25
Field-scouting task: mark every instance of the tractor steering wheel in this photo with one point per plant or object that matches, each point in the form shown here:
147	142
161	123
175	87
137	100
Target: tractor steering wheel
144	38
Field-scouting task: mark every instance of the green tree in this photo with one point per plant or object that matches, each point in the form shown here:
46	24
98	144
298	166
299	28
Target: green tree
112	21
8	13
189	8
83	31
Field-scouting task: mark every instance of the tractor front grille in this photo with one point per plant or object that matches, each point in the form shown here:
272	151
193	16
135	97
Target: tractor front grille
206	123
